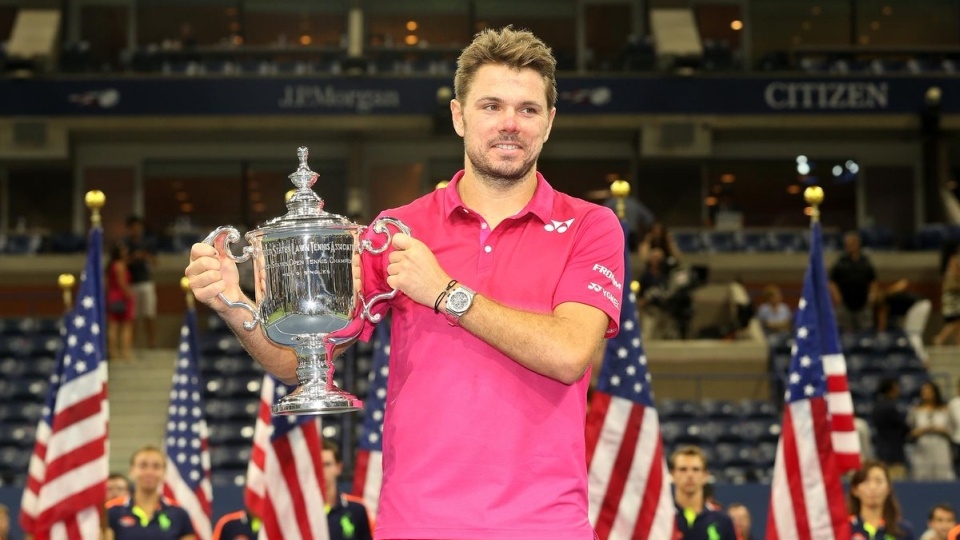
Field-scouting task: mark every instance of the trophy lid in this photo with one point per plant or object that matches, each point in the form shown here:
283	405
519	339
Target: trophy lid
305	206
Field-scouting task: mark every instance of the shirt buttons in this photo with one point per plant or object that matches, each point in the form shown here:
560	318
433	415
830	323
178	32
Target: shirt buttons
488	249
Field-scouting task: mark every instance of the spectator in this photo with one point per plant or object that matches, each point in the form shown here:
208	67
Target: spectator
695	519
239	525
931	431
906	309
774	315
942	518
740	515
347	517
117	486
142	260
950	300
954	407
4	522
659	237
146	513
656	297
890	425
853	286
120	306
874	509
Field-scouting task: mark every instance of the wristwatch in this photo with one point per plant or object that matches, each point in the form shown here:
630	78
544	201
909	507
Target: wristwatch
459	301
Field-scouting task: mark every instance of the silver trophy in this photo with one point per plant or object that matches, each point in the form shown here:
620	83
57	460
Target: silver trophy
306	267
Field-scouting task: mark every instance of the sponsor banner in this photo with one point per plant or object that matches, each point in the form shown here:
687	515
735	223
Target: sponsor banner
149	96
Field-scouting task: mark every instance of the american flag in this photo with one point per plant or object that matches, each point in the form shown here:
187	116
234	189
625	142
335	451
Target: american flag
629	488
68	470
187	478
285	476
368	473
818	442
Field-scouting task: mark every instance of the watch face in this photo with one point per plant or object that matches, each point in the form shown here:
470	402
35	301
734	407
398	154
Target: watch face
458	301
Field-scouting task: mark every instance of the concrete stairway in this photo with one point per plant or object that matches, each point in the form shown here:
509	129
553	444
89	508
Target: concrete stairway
139	393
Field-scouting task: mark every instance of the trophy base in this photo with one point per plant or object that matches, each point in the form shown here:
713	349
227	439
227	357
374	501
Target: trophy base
317	401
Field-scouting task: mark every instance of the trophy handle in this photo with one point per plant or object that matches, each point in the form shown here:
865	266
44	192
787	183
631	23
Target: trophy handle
233	235
380	226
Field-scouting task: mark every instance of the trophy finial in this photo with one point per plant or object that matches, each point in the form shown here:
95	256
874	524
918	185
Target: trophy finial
303	178
302	154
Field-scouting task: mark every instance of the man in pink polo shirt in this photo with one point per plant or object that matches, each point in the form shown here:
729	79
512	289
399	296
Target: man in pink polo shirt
509	289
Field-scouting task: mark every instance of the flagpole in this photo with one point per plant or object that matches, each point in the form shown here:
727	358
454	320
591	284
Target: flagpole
620	189
95	199
185	285
66	283
814	197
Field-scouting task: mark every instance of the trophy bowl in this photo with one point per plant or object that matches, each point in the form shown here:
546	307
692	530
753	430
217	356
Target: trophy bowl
306	269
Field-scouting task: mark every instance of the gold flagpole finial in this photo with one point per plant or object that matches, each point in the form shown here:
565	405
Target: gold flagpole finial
95	199
66	283
814	197
442	184
621	190
185	285
287	195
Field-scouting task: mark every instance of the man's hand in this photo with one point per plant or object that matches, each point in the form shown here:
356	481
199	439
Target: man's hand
211	271
414	270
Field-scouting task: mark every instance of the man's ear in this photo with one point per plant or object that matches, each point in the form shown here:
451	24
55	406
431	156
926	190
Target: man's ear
456	111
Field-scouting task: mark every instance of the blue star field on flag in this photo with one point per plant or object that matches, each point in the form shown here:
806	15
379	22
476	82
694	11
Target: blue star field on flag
806	378
624	372
371	438
186	426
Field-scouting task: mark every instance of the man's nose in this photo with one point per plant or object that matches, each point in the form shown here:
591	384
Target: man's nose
509	121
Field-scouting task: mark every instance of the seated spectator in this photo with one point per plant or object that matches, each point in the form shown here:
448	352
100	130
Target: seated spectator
874	509
942	518
931	431
853	286
347	517
696	520
117	486
655	299
659	237
905	309
740	515
774	315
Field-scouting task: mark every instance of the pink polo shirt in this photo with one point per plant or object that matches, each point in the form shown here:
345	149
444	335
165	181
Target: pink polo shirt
474	444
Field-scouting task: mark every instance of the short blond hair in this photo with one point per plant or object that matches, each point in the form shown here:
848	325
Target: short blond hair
518	49
688	450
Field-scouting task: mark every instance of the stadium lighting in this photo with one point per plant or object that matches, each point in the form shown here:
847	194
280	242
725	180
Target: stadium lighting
837	170
803	168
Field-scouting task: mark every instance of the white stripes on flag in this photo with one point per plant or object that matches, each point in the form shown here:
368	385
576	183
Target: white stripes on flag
176	488
846	443
369	471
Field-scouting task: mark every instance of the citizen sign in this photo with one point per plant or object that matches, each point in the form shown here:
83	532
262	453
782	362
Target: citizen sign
309	96
826	95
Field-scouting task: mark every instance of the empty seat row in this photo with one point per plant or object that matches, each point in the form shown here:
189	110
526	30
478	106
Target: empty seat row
716	409
708	432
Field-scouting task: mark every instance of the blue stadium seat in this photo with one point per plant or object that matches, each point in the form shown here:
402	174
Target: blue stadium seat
755	241
39	366
17	434
910	384
14	458
236	432
220	345
758	409
232	409
760	430
670	430
930	236
67	242
877	237
25	413
228	478
234	386
720	241
23	244
788	241
230	456
713	409
688	241
675	409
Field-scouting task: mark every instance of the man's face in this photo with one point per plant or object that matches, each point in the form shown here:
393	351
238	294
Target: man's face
689	475
741	519
117	487
331	469
942	522
4	524
147	470
504	121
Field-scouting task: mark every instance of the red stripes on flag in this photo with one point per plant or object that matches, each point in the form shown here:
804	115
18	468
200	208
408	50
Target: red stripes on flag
846	443
806	500
285	476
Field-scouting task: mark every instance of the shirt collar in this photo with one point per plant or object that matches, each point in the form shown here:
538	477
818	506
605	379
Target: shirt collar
541	205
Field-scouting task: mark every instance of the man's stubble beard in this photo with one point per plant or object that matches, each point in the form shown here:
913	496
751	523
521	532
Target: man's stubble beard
504	175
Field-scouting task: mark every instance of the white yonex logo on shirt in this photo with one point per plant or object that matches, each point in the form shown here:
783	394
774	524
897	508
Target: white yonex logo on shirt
558	226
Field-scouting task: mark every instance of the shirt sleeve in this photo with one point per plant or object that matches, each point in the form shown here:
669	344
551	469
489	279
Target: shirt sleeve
594	273
187	526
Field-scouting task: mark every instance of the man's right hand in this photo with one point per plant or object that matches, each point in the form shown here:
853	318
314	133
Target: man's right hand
211	271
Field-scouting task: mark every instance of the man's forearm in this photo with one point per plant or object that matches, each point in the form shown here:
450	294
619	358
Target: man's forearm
279	361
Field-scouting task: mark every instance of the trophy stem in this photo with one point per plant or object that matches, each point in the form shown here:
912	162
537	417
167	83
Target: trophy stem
316	392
